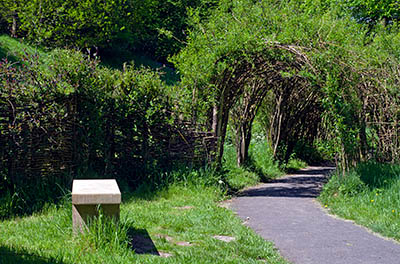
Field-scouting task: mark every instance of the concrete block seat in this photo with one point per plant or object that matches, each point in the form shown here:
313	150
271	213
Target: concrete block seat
89	196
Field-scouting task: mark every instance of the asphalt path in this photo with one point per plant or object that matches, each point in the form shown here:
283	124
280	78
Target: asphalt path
285	211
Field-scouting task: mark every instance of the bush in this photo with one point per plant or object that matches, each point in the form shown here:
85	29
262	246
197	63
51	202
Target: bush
365	177
348	185
69	116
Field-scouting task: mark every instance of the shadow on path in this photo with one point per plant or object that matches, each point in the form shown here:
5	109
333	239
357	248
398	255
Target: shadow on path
305	183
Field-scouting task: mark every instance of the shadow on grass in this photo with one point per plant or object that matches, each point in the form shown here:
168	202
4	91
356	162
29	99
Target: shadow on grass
31	198
11	256
378	175
115	59
141	242
144	192
5	54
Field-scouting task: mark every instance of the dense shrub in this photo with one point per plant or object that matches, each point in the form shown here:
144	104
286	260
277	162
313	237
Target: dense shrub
349	185
71	117
66	23
378	175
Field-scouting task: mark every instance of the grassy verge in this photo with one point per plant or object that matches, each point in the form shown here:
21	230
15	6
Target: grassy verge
180	221
369	195
260	168
14	49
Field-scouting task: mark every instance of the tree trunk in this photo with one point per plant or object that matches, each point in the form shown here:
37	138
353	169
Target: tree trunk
276	135
14	26
239	146
220	123
223	123
243	139
289	150
214	120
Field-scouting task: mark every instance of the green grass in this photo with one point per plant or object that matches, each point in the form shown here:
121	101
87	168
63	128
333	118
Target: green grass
369	195
261	167
14	49
165	218
295	164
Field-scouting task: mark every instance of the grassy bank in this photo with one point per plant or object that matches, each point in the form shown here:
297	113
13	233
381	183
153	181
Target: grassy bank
260	168
369	195
176	221
179	222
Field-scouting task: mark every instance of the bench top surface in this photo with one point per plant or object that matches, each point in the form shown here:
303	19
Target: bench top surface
95	191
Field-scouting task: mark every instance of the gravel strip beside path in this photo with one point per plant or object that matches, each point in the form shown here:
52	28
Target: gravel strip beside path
285	211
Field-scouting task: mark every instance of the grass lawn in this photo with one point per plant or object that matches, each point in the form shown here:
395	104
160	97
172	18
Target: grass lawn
369	195
14	49
180	221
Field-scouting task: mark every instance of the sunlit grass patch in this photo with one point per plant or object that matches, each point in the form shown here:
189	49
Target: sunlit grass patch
14	49
178	223
369	195
261	166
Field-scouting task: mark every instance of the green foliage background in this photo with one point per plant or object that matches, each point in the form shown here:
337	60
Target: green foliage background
341	66
157	28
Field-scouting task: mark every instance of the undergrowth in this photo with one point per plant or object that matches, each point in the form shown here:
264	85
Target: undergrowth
368	194
260	168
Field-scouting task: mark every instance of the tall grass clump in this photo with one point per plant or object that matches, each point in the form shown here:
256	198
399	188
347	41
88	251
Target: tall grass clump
188	175
368	194
105	233
263	160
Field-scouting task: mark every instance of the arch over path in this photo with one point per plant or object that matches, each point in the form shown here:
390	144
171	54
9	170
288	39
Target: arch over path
244	86
315	67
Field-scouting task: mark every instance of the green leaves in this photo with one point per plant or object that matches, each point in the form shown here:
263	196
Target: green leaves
342	61
72	23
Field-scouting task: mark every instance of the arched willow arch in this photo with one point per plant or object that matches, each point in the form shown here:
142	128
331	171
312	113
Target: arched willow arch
368	127
244	86
323	72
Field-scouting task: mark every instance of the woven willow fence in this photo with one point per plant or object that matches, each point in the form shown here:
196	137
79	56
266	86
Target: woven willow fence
38	145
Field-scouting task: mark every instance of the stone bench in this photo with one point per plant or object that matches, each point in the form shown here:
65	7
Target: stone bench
90	196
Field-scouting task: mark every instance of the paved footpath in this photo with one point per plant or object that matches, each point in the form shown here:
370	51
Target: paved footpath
285	211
